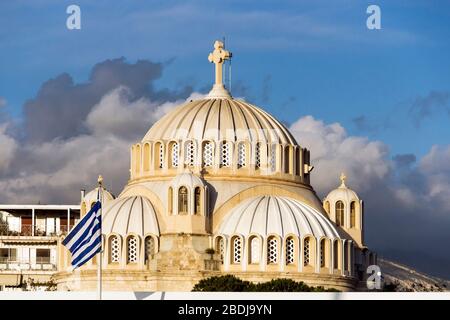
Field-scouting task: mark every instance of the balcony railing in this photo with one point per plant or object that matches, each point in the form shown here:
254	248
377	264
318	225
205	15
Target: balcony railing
27	230
40	263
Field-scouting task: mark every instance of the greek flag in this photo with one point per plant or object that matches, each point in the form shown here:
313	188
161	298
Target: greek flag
85	240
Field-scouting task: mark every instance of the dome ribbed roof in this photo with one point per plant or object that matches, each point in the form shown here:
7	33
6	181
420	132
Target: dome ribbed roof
266	215
219	120
130	215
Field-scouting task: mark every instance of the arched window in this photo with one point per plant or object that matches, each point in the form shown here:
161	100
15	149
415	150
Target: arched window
326	206
189	153
208	154
197	200
182	200
290	251
159	155
146	157
174	148
137	159
272	250
242	155
352	214
273	158
287	160
340	213
132	249
336	254
306	252
258	156
237	250
225	154
170	200
114	249
297	161
322	253
220	247
255	250
149	248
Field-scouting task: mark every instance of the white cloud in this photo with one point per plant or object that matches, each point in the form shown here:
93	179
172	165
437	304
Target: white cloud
8	147
3	102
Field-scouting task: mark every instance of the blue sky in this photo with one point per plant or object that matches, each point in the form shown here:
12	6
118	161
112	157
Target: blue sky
294	57
389	88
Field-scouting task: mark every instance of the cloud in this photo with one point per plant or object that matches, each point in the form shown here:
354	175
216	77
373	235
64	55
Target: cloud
3	102
61	106
424	107
407	201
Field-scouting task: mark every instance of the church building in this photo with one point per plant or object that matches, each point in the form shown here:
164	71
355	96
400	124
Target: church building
219	186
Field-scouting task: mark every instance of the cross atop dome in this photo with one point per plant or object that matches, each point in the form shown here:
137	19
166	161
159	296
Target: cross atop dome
343	177
218	57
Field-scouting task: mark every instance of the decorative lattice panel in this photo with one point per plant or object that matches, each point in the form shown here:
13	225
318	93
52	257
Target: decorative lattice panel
242	156
255	250
306	253
161	156
258	155
237	250
132	254
290	252
190	153
272	250
322	253
208	154
222	248
225	154
175	159
149	247
273	158
114	249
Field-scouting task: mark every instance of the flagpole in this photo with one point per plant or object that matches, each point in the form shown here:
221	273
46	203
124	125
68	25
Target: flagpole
99	255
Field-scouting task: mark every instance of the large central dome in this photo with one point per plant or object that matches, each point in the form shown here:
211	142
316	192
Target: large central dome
220	119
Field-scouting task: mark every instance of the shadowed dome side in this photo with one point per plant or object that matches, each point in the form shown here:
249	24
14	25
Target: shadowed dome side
266	215
127	215
219	120
92	196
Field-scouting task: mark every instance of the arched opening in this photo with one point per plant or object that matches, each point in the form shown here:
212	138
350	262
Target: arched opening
189	153
183	201
220	247
137	160
146	157
287	160
307	252
340	213
242	155
114	249
322	253
225	154
290	251
236	252
258	156
297	161
352	214
170	200
273	158
326	206
272	250
132	249
208	154
336	254
255	250
197	200
159	155
150	248
174	154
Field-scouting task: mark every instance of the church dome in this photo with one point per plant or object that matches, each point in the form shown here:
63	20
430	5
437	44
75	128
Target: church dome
342	193
276	215
127	215
218	119
187	179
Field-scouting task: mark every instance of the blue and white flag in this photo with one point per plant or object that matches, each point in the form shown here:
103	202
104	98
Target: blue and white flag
85	240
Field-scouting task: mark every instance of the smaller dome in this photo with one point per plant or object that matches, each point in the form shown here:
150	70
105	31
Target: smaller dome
92	195
342	193
266	215
134	214
187	179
